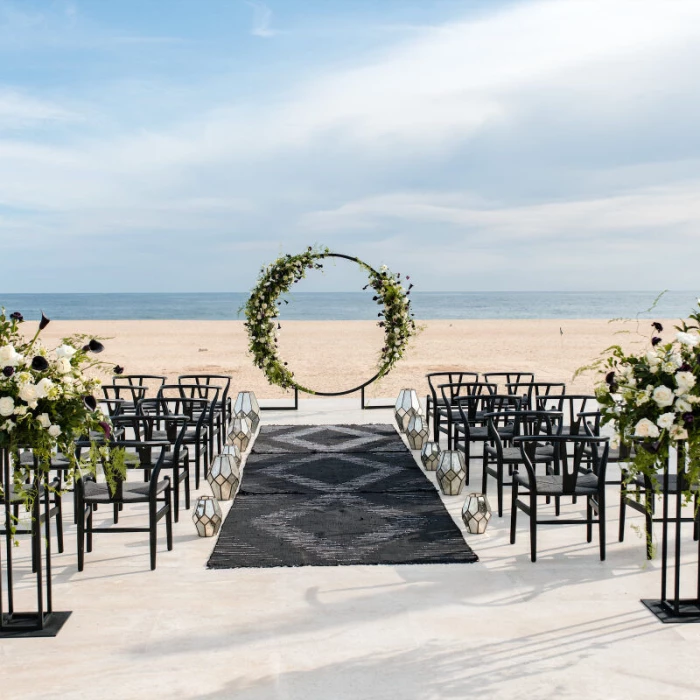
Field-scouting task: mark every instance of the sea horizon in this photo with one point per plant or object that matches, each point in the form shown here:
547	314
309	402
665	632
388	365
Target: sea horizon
318	306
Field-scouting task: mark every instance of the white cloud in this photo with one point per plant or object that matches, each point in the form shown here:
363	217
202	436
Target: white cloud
262	18
19	111
664	208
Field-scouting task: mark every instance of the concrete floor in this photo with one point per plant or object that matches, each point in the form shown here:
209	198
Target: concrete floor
568	626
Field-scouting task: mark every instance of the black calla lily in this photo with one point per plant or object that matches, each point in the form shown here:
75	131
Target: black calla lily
106	427
90	403
40	363
45	320
657	326
118	369
655	340
610	377
17	316
8	371
651	447
688	418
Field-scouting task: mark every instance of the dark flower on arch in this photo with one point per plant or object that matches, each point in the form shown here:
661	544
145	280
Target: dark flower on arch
610	378
657	326
44	321
17	316
8	371
688	418
40	363
118	369
651	447
107	428
94	346
655	340
90	402
685	367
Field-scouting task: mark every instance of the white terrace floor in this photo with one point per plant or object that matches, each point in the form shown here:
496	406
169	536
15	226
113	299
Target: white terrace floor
568	626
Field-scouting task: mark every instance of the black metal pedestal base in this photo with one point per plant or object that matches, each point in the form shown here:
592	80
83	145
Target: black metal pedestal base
688	610
25	625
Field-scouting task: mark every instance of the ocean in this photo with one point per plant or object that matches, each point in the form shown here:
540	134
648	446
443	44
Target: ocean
354	305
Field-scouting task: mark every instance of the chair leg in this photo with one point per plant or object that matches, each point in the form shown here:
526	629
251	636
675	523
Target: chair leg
169	520
152	531
187	481
88	546
58	504
514	507
80	517
589	519
176	482
623	513
601	523
533	526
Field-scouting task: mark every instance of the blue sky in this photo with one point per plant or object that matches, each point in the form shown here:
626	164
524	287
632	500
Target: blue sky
153	145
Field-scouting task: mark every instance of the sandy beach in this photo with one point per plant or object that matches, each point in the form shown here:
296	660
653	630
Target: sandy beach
337	355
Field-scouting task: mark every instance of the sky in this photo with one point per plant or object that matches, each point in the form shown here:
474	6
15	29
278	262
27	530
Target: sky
481	145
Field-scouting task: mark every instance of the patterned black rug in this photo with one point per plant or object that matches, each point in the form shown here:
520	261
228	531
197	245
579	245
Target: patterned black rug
323	501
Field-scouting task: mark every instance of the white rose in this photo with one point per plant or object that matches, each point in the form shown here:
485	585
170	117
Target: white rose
685	381
678	432
21	410
682	406
65	351
7	406
690	339
28	393
652	358
666	421
646	429
44	420
54	431
43	386
9	357
663	396
63	365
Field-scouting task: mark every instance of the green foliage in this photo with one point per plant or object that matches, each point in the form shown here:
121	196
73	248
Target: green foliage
275	280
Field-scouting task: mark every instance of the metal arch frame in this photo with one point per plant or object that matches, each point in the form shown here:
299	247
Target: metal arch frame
360	387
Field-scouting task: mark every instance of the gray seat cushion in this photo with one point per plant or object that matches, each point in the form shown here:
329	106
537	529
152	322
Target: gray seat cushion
551	484
133	493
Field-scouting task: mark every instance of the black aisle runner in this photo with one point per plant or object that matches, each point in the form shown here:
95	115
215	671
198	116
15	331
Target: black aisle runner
335	494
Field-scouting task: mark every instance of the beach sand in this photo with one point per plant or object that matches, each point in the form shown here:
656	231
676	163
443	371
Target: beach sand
337	355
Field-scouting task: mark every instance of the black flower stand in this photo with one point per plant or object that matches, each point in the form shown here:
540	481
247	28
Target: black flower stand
670	607
44	621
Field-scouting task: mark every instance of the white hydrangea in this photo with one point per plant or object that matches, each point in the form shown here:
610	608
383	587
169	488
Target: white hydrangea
55	431
685	382
65	351
690	339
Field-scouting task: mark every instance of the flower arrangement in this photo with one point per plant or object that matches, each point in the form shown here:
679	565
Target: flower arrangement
652	399
47	400
275	280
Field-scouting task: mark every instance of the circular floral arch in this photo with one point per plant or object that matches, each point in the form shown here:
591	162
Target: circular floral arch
276	279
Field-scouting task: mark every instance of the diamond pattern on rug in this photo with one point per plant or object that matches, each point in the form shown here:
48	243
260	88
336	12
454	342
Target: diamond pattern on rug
282	439
325	507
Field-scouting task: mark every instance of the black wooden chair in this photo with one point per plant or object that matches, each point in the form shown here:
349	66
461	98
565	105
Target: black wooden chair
567	477
200	432
127	394
170	425
451	395
156	492
532	391
223	406
500	457
519	379
571	406
435	408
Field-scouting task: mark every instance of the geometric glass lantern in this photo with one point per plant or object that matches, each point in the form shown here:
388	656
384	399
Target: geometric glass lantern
430	456
246	406
207	516
417	431
476	513
241	433
224	477
451	472
407	406
233	451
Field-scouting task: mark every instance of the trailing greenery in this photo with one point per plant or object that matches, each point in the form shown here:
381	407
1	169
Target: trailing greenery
47	402
275	280
652	398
